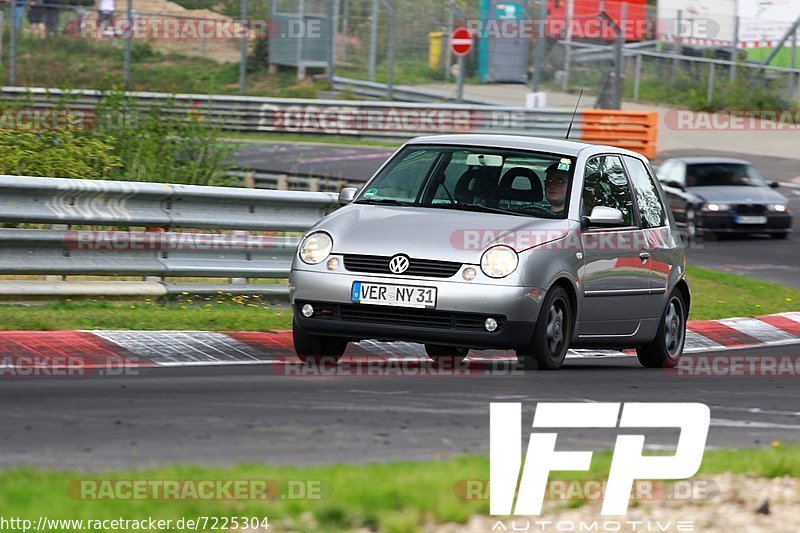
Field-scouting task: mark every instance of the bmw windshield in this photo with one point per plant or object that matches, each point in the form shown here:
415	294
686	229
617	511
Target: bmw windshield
475	179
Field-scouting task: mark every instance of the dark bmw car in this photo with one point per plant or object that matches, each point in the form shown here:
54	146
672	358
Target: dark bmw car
723	195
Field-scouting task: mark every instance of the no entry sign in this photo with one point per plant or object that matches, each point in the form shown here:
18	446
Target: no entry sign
461	41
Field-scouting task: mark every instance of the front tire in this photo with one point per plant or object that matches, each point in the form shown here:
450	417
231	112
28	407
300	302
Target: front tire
551	336
315	348
446	356
667	348
694	233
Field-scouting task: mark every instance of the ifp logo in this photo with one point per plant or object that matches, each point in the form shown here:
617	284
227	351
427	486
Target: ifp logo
627	463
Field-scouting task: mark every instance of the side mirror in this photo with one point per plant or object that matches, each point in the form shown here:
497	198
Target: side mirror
674	184
347	195
774	184
604	217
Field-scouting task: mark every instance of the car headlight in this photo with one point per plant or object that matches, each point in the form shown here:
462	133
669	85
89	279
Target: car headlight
780	208
499	261
315	248
716	207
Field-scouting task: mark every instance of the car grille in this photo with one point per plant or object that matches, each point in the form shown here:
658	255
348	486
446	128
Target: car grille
401	316
751	209
377	264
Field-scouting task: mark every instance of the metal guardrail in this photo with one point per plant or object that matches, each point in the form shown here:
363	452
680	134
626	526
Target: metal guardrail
364	119
148	247
380	91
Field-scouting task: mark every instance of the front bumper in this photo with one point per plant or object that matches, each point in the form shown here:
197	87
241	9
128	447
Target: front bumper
726	223
457	320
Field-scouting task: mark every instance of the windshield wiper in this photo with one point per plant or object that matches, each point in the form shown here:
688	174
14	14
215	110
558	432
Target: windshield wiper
384	201
478	207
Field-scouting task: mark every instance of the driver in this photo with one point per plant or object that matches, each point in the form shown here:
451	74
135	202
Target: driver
555	188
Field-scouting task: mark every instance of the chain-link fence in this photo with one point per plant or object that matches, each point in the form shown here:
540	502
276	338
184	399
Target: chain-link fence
667	55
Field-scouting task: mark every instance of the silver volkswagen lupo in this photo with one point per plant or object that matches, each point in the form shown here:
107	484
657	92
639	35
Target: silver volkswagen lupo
491	241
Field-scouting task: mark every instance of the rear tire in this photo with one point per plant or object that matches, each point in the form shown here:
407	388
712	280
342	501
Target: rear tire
551	336
446	356
666	349
315	348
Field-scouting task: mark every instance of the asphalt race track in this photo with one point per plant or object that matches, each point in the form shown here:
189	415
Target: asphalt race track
234	414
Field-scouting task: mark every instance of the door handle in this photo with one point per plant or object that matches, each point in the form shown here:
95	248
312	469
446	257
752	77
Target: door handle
644	256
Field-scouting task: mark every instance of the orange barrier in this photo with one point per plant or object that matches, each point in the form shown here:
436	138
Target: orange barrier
634	130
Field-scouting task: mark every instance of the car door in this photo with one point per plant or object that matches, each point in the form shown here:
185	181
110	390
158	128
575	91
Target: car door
615	279
660	242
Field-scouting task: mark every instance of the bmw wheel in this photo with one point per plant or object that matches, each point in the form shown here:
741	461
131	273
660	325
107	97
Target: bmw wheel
551	336
667	347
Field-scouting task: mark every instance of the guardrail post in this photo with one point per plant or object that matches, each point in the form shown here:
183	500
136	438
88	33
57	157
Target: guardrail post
245	235
245	27
734	48
283	182
637	78
710	92
313	184
58	227
154	278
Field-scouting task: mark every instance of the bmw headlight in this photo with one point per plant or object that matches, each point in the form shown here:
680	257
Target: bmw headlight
716	207
499	261
315	247
778	208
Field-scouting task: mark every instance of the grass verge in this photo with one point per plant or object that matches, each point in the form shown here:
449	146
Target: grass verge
719	295
714	295
401	496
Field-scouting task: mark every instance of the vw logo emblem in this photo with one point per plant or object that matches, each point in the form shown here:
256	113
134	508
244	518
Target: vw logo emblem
399	264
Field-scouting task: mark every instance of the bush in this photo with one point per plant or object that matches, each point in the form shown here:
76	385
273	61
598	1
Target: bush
164	145
63	154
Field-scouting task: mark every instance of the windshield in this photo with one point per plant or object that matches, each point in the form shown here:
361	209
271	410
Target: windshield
713	174
475	179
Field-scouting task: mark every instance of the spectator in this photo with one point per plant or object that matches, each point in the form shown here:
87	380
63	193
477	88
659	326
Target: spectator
19	13
105	18
51	16
36	11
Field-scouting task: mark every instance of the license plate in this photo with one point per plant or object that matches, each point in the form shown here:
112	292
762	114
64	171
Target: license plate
399	295
751	220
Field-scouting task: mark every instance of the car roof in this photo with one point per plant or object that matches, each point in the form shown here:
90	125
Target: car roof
521	142
710	160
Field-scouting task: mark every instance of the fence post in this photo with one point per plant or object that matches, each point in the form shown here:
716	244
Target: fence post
245	26
128	45
539	51
677	50
301	68
12	49
373	40
567	47
334	39
345	29
734	48
448	55
391	51
619	57
793	75
637	78
710	93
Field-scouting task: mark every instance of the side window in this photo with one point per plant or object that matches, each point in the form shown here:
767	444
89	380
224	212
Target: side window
650	206
605	185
